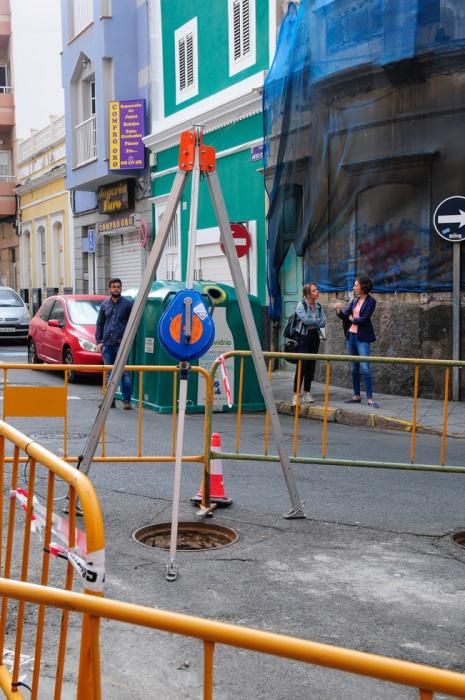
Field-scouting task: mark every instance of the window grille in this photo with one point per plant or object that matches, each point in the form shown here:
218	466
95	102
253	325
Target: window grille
241	14
185	41
241	35
186	62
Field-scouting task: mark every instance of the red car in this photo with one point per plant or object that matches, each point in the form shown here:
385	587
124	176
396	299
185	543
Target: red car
63	331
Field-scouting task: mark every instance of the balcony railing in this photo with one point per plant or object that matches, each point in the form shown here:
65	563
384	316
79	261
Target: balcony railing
86	141
41	140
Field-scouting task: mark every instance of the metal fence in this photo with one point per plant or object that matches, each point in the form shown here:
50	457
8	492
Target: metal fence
426	679
40	546
324	458
22	401
30	559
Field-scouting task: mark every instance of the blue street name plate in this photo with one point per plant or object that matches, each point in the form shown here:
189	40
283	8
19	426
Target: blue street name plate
256	152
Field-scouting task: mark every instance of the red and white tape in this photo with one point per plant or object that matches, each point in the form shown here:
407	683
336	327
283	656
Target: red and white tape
90	566
227	388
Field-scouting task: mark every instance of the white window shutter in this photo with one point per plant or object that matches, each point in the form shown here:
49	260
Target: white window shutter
237	29
190	59
185	43
182	63
245	27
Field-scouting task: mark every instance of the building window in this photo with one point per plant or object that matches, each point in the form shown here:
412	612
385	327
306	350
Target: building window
80	14
242	51
42	256
185	43
86	129
356	24
5	166
429	11
4	79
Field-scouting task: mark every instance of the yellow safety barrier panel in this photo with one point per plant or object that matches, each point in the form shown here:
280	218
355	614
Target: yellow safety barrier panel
324	412
426	679
37	544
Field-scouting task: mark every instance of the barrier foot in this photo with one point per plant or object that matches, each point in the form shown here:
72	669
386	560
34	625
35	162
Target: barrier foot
203	510
171	571
297	513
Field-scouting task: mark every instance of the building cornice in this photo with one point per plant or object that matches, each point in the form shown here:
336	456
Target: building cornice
58	172
231	106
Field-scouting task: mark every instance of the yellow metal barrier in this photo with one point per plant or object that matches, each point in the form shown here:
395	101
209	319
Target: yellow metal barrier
426	679
325	459
83	551
42	402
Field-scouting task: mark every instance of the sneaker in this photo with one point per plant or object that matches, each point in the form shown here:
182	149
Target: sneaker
294	400
307	397
127	405
78	511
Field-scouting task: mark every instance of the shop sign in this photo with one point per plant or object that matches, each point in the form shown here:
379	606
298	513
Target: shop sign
118	224
115	198
127	129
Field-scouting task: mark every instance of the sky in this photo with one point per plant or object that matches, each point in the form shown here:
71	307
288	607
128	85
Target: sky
36	45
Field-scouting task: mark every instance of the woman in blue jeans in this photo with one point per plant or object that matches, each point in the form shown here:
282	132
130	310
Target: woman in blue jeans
360	335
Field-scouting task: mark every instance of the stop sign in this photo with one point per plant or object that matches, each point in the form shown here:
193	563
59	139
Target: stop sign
241	239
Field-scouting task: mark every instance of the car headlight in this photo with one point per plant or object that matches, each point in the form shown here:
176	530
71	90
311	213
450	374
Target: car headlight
26	316
87	345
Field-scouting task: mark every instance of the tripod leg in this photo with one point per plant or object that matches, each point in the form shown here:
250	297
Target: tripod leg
171	569
254	341
90	448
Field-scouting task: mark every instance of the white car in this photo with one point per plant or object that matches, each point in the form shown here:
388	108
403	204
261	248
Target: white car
14	315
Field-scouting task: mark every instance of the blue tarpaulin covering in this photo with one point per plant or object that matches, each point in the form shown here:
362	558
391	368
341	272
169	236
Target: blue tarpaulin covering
352	144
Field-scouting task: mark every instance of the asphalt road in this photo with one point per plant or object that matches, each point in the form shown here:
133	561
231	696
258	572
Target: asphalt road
373	567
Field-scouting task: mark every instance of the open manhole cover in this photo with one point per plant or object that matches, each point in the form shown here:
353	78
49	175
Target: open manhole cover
459	538
192	536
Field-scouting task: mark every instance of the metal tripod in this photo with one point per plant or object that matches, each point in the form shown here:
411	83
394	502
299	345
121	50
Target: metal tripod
194	154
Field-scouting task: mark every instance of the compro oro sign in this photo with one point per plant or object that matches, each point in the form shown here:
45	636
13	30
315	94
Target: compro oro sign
127	129
449	219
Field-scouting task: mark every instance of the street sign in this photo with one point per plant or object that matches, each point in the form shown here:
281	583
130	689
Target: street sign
449	219
256	152
241	238
91	239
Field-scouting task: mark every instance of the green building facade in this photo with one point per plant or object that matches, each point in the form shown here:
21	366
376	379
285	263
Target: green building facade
209	62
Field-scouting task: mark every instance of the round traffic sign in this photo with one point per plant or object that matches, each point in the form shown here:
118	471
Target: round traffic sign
242	239
449	219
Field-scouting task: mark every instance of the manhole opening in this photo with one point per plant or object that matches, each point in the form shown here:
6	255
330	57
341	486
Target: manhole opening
192	536
459	538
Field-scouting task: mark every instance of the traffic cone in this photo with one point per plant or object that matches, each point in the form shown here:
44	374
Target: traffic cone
217	492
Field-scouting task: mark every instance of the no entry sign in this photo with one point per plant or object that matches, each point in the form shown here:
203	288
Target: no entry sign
241	239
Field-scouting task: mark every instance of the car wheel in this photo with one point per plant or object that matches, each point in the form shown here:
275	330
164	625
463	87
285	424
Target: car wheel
32	354
68	359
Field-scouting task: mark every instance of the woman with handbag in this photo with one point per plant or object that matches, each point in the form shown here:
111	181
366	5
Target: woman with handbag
311	318
360	335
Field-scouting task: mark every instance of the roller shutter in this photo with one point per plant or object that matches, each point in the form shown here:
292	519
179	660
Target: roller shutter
127	259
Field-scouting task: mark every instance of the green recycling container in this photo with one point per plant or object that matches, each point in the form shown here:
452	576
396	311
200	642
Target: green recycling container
157	389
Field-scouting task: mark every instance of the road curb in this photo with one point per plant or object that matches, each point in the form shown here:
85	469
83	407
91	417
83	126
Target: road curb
345	416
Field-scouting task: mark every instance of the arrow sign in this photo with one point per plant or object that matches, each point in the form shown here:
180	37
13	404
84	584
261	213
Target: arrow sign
449	219
453	219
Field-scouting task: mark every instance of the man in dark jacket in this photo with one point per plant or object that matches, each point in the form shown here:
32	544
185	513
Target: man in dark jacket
111	323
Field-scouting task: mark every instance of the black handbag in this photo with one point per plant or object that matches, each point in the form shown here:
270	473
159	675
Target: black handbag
291	345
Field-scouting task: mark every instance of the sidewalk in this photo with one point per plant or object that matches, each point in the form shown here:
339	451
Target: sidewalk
394	412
